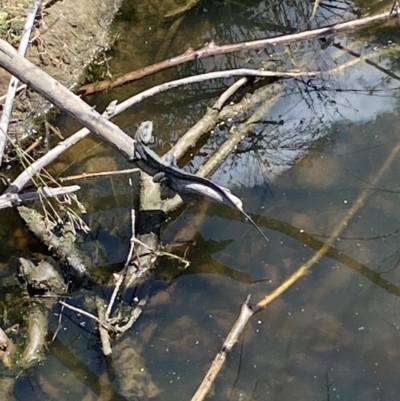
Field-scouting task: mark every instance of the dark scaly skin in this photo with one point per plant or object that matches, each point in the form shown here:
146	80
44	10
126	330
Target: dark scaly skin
175	178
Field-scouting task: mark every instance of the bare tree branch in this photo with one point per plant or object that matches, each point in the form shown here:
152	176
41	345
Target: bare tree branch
12	88
211	49
60	96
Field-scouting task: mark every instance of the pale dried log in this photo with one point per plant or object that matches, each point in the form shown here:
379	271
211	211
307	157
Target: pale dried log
12	88
212	49
11	199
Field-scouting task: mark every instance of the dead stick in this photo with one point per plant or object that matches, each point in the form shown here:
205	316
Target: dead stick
122	274
207	122
33	146
10	200
240	72
83	312
84	176
212	49
246	312
19	89
12	88
234	334
104	334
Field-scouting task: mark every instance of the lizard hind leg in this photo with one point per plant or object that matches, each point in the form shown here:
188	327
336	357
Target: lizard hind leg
166	191
161	178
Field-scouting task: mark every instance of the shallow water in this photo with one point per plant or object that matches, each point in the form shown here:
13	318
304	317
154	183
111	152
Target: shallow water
332	335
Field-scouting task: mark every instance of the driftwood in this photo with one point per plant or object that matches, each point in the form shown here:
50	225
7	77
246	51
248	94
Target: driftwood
248	311
212	49
12	88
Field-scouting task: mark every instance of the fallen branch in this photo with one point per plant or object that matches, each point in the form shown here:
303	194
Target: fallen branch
19	89
12	88
89	315
115	109
9	200
247	311
207	122
84	176
212	49
121	276
61	97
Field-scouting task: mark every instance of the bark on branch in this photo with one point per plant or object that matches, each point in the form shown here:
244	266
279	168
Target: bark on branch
60	96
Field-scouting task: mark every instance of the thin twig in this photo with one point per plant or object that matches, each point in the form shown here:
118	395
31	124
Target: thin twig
213	49
104	334
122	275
247	311
84	176
10	200
12	88
58	324
19	89
83	312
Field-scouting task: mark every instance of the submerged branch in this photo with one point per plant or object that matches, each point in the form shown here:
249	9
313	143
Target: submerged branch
247	312
36	335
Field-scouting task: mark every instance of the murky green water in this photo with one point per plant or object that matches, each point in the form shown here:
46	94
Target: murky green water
335	333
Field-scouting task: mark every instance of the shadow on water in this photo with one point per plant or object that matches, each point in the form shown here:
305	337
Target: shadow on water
335	333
